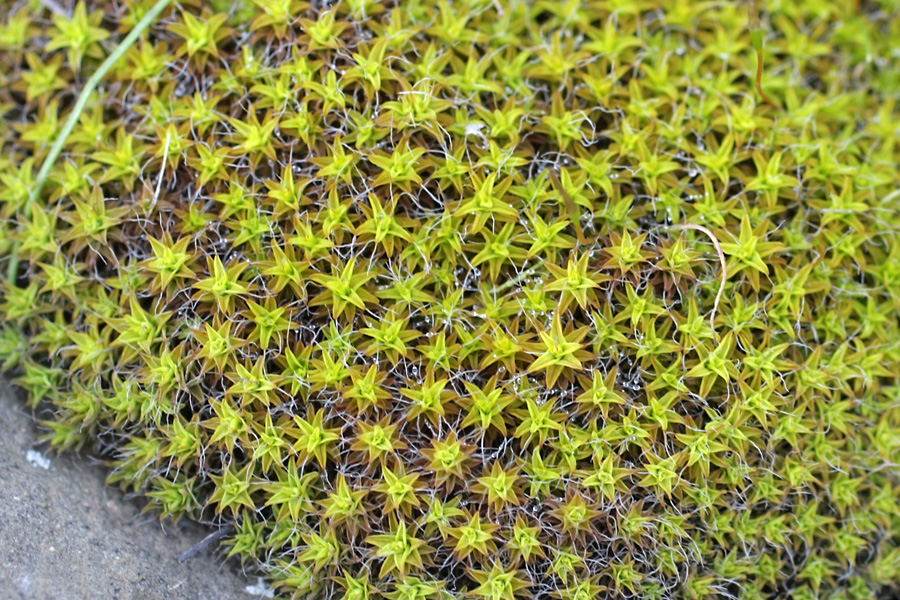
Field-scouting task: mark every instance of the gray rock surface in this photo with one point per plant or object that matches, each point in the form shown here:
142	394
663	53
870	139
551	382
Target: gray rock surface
65	535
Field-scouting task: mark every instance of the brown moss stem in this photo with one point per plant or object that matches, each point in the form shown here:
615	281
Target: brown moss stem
759	71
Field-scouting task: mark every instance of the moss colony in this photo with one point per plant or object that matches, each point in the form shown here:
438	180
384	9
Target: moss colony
407	295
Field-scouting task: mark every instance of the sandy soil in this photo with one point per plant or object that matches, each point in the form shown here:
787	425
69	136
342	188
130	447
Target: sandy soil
65	535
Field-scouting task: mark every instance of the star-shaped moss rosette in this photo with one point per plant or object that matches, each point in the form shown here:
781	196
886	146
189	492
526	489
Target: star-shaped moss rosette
470	299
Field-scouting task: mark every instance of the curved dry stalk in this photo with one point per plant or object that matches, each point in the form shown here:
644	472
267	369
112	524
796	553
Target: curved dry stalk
162	171
722	261
80	104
